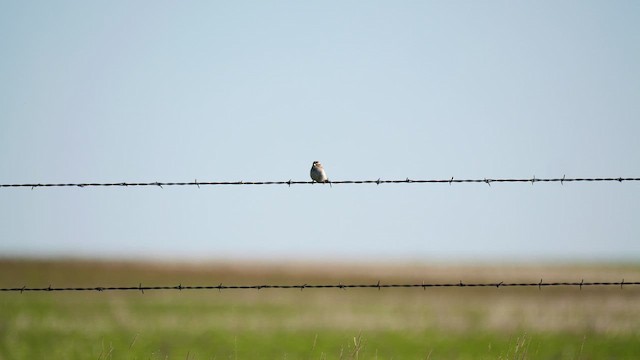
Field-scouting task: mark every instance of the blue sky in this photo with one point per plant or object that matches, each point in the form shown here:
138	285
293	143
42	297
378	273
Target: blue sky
228	91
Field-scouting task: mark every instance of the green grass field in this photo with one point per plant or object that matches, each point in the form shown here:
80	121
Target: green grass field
437	323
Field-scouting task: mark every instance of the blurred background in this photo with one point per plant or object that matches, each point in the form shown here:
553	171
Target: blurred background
256	91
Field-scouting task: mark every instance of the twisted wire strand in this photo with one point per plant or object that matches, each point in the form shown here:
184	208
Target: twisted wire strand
291	182
378	286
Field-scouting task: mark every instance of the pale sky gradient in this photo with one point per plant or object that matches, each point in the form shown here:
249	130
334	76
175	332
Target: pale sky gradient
112	91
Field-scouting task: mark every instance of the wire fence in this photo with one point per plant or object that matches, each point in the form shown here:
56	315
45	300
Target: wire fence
377	285
450	181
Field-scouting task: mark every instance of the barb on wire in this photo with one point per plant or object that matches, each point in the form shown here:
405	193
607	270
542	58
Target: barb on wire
378	285
379	181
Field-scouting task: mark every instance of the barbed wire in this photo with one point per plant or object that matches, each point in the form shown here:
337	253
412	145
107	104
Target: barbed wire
378	286
450	181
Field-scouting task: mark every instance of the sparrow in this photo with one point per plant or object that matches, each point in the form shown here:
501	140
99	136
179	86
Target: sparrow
317	173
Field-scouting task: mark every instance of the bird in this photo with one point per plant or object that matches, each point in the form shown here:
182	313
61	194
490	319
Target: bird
317	173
